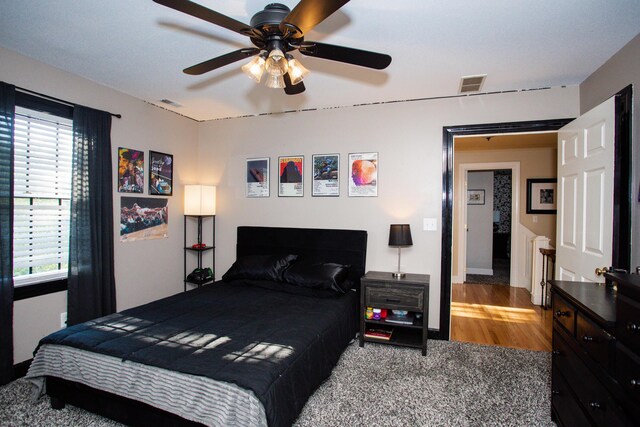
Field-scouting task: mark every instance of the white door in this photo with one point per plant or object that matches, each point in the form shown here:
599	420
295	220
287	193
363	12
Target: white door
585	195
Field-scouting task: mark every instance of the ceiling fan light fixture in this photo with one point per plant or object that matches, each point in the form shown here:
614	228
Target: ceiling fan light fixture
276	64
297	71
254	68
274	81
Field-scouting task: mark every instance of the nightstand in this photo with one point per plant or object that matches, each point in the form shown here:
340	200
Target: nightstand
410	293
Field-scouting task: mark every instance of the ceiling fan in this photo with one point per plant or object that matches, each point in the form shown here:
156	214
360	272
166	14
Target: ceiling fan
276	31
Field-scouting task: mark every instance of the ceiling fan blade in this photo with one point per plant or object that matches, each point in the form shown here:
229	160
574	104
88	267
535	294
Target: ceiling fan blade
363	58
290	89
198	11
221	61
309	13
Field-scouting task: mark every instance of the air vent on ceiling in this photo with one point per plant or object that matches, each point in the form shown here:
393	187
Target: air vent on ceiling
472	83
170	102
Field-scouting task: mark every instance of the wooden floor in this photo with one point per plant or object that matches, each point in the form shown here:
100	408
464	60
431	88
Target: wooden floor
499	315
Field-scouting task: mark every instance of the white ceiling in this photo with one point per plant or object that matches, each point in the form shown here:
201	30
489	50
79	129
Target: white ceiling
140	48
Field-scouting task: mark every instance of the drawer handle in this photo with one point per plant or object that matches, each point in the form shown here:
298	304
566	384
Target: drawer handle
595	405
632	327
396	301
634	383
587	338
556	352
561	313
556	392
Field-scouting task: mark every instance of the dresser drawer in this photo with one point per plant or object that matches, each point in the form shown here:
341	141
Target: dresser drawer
628	371
409	299
564	403
564	313
628	322
596	341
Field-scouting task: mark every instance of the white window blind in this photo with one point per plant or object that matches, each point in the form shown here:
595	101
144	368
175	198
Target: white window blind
42	192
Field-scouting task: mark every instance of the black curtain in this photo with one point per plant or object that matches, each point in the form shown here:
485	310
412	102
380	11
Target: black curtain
7	111
92	290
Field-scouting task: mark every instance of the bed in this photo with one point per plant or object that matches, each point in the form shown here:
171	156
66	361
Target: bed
243	351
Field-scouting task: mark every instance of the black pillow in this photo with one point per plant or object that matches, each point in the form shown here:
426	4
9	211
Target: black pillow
318	275
259	267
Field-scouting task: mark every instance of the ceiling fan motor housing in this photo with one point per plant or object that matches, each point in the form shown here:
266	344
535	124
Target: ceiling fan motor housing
267	23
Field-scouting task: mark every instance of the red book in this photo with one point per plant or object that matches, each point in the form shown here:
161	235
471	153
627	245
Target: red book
381	334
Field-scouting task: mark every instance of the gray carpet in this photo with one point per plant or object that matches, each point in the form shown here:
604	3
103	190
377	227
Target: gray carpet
457	384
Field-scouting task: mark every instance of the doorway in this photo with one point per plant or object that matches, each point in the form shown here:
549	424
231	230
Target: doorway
491	303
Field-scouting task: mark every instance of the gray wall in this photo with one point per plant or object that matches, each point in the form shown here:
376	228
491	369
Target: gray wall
145	271
408	138
619	71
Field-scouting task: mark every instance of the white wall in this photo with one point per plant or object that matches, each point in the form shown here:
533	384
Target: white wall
145	271
480	225
408	138
619	71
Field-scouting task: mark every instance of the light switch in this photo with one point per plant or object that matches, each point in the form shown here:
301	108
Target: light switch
430	224
535	219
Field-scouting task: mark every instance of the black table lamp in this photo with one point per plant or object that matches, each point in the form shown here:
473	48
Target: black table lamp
400	237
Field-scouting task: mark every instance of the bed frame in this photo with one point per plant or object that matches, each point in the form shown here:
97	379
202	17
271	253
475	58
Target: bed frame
339	246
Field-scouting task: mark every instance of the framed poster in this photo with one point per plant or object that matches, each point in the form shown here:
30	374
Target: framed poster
290	176
258	177
475	197
130	170
326	173
363	180
160	174
541	195
143	218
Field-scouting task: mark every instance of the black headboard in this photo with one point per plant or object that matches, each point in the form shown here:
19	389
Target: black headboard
339	246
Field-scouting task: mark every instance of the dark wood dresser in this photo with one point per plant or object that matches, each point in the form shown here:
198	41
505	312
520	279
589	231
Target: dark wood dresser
596	352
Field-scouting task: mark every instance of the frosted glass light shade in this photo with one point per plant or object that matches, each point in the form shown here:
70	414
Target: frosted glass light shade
276	63
255	68
199	200
274	81
297	71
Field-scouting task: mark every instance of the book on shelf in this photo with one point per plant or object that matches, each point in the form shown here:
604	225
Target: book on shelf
400	319
381	334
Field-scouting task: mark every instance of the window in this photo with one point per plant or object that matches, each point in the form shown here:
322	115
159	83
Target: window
42	191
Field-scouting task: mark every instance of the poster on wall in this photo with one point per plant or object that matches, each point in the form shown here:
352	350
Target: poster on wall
130	170
363	180
258	177
160	174
326	170
143	218
290	182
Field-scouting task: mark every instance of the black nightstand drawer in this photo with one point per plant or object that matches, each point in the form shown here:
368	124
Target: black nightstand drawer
595	340
394	298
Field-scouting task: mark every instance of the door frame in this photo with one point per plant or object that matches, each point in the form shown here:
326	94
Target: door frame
464	169
622	183
448	135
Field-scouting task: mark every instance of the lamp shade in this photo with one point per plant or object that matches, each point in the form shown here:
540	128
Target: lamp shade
400	235
199	200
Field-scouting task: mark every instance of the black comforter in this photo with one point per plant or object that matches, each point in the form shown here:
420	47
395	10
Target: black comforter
277	344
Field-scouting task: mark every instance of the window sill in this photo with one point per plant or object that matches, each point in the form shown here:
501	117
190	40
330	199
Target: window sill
39	289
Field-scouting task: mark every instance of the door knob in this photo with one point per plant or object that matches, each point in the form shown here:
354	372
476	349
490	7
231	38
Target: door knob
601	271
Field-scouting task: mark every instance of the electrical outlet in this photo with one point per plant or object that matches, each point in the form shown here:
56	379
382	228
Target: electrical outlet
63	320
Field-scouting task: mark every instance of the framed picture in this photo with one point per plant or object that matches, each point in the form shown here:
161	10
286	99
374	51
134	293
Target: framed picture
290	176
143	218
258	177
130	170
363	178
542	195
475	197
160	174
326	173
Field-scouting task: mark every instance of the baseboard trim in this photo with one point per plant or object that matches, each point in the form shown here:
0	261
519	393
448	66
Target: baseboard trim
20	369
484	271
457	279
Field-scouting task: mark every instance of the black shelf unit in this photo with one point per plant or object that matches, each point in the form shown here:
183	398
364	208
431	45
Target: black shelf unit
199	252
